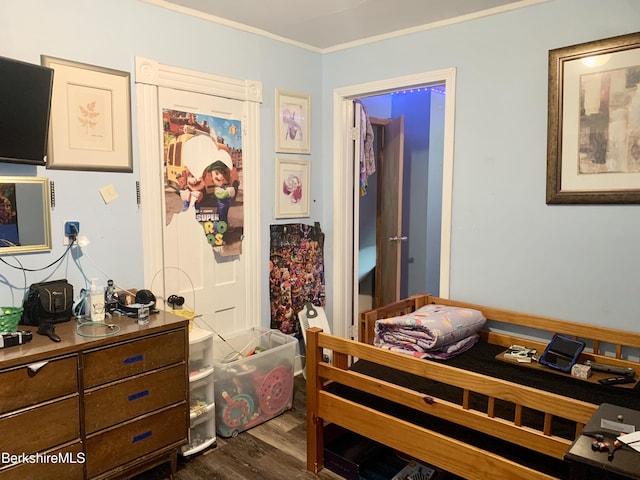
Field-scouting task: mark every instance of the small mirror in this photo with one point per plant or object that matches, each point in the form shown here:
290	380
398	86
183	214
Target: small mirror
25	225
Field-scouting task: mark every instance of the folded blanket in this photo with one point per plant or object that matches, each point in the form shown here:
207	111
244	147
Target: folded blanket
433	331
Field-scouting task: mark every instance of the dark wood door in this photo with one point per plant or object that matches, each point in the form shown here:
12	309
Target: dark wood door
389	222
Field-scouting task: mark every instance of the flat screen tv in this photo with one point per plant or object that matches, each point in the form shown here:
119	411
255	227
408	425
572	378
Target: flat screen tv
25	107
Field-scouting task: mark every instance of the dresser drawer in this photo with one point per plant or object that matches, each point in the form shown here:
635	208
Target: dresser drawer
131	358
117	446
41	427
66	463
117	402
24	386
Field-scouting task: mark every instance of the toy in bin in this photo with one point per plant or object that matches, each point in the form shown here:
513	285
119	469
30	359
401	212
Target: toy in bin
254	382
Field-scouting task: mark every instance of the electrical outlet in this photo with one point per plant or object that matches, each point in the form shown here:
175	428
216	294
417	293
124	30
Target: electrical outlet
71	229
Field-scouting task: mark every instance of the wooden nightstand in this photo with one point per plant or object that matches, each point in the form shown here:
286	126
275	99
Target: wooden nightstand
587	464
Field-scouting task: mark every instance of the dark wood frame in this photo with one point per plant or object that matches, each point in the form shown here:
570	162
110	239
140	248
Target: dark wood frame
557	60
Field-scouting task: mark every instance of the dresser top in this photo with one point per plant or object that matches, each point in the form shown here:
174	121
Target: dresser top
41	347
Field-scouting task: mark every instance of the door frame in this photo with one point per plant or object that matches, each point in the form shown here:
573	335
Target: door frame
150	76
345	204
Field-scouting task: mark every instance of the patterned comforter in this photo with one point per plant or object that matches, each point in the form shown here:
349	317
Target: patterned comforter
433	331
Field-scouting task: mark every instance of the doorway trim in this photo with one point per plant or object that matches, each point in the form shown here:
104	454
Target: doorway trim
150	76
345	206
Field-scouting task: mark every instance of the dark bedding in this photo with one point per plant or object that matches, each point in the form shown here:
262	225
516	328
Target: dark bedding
481	359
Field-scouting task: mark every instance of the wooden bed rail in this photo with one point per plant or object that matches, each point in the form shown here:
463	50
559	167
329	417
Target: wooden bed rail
402	307
325	406
596	337
451	455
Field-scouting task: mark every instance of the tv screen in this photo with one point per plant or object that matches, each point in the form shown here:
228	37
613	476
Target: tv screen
25	106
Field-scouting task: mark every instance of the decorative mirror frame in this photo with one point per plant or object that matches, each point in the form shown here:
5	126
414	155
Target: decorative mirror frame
30	208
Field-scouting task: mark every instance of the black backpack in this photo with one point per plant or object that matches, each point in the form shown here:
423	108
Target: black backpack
48	302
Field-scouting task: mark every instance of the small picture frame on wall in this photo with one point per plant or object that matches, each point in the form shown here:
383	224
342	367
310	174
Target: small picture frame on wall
593	139
293	122
90	126
293	188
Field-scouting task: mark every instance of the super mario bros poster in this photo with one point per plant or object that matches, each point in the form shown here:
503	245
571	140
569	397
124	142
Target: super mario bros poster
203	175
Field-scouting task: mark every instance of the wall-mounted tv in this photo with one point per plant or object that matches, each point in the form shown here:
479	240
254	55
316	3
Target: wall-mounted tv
25	107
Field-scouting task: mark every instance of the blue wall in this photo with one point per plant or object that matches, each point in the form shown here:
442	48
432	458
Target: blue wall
111	34
508	248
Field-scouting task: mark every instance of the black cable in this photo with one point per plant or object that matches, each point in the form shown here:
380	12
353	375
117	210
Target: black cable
73	240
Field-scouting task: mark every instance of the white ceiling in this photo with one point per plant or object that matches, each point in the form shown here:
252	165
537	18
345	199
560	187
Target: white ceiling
331	24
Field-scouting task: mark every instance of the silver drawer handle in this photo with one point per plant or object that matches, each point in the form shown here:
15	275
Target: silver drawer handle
398	239
34	367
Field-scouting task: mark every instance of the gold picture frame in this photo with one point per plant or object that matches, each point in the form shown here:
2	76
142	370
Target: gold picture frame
90	126
25	226
593	139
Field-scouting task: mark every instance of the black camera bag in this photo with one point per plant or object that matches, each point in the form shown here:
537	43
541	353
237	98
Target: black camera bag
48	302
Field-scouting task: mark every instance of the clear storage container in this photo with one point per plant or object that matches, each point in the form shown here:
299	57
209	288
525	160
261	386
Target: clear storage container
253	373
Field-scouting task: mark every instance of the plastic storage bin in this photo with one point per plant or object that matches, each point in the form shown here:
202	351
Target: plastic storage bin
202	415
253	373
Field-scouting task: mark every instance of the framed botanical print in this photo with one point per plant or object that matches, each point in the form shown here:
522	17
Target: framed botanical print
90	127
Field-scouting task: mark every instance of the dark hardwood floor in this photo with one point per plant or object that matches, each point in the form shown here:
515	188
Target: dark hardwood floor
275	450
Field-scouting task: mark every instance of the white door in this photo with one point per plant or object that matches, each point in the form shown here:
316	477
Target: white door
212	284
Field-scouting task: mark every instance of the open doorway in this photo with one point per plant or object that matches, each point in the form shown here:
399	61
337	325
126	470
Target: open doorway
344	311
400	256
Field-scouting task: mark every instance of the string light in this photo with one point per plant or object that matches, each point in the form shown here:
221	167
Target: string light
440	91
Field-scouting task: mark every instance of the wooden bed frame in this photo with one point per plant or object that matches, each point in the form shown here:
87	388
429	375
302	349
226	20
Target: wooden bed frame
448	453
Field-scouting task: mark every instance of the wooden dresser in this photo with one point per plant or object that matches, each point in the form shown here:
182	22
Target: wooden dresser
93	407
